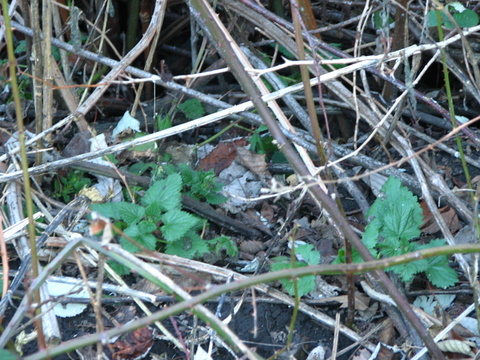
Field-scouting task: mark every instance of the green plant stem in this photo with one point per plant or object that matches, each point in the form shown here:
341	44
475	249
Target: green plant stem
24	161
473	197
451	108
217	135
132	26
116	253
295	288
474	269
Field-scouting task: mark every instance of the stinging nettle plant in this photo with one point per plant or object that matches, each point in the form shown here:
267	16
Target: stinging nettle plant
396	218
159	223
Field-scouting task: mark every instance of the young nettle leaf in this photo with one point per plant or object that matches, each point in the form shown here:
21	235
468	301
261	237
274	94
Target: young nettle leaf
160	211
396	218
177	223
408	270
401	222
215	198
110	210
223	243
130	213
165	192
191	246
140	168
308	254
393	247
141	234
163	122
305	284
369	239
119	268
198	184
153	211
439	273
192	108
398	210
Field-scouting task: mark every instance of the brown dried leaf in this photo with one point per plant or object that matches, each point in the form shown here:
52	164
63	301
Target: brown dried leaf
430	226
361	301
134	346
251	246
267	211
387	335
222	156
254	162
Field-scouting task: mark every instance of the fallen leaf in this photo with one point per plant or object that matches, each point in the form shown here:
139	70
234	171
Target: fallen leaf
222	156
251	246
134	345
430	225
267	211
457	346
254	162
387	335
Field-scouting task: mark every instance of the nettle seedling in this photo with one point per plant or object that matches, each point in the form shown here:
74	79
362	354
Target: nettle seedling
302	255
199	184
159	223
396	218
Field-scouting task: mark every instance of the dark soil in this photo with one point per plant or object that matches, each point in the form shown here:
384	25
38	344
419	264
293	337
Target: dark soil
271	322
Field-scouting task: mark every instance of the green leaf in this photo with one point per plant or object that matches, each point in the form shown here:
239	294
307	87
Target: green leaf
400	223
408	270
129	212
21	47
165	192
110	210
466	19
439	273
192	108
382	19
305	284
176	224
8	355
215	199
189	247
146	227
140	168
223	243
393	247
309	254
163	123
432	17
119	268
141	234
370	240
397	213
152	146
432	244
153	211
